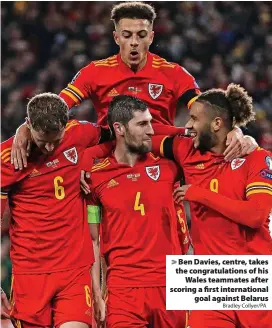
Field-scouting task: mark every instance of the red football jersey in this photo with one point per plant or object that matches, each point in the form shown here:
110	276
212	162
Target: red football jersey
160	84
242	179
139	224
49	230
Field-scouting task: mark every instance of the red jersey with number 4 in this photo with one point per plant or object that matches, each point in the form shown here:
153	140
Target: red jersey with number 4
241	179
49	230
139	224
160	84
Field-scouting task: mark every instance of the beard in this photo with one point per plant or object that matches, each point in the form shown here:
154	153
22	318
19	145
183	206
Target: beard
132	146
206	140
141	150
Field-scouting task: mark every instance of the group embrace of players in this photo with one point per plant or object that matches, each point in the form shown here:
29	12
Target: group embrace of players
130	213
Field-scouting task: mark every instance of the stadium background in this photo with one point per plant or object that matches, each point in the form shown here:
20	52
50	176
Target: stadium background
44	44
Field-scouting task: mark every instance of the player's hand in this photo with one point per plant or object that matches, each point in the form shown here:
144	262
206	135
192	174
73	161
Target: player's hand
99	308
84	175
180	192
234	144
21	147
248	146
5	306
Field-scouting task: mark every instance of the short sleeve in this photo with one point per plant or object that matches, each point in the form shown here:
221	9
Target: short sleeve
9	175
259	179
80	87
186	87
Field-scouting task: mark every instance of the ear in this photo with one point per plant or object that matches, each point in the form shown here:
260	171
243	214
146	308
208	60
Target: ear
118	129
116	38
151	38
28	122
217	124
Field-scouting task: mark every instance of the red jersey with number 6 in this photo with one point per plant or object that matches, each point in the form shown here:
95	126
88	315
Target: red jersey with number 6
159	83
139	224
49	230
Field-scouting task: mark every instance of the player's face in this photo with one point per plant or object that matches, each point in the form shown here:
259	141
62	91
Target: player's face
47	142
134	36
200	127
138	133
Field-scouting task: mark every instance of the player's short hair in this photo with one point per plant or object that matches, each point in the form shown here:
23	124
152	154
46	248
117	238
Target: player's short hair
47	112
234	104
133	10
122	109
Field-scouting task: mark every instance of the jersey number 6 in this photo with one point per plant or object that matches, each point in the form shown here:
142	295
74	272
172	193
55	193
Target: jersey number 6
59	190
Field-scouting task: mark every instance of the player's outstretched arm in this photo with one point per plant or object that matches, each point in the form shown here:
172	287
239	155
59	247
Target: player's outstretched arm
252	212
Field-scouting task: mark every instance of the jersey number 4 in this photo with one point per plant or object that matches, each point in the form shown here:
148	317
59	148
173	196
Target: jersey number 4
59	189
137	205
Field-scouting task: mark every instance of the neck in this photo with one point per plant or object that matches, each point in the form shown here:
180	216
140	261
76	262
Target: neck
124	156
220	146
138	67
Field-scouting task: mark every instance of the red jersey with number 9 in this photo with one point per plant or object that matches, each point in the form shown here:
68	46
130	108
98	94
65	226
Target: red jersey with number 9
49	230
242	179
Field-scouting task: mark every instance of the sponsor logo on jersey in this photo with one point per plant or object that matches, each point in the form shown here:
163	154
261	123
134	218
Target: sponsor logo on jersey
113	93
237	162
200	166
134	90
268	161
52	164
34	173
71	155
265	174
153	172
133	176
155	90
112	183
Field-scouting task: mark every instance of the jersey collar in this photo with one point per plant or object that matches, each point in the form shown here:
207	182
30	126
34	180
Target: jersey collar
124	68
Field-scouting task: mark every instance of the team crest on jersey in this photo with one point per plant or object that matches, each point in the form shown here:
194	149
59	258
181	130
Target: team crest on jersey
155	90
153	172
71	155
237	162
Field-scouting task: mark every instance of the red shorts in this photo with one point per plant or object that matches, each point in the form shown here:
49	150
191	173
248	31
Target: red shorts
230	319
51	299
141	307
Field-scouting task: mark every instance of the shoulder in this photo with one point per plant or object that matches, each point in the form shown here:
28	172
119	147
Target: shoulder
161	63
74	125
95	67
260	160
106	63
6	150
260	155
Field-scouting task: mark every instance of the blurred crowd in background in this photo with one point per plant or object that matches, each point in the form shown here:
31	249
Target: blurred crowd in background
45	43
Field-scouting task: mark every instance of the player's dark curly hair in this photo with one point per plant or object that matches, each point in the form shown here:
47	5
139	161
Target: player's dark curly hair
47	112
122	109
234	105
134	10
